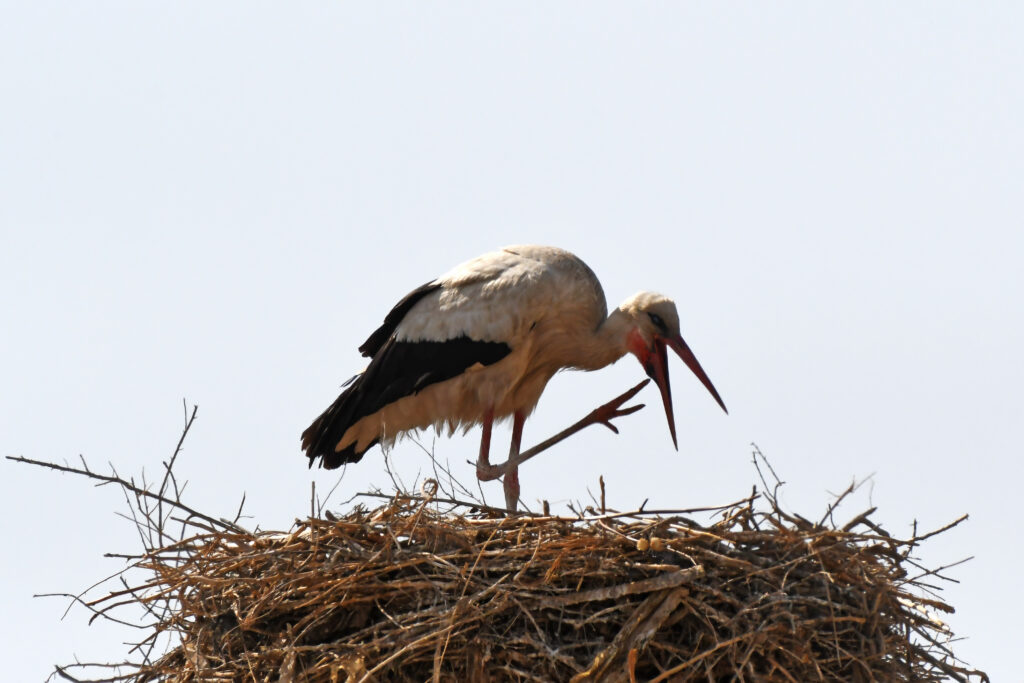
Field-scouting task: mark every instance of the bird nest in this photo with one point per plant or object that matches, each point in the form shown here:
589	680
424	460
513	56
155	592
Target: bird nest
405	592
424	587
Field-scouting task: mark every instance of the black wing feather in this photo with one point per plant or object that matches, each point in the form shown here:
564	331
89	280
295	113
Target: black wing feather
398	369
381	335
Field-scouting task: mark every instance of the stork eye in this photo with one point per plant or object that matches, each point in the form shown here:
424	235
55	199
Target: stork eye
658	322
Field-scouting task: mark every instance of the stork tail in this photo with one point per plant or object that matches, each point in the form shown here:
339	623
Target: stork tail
320	438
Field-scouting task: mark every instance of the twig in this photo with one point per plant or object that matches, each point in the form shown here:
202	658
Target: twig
131	487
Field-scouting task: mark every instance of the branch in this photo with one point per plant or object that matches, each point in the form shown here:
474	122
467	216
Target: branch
131	487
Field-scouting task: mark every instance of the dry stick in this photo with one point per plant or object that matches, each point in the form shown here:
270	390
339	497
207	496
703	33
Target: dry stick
169	466
144	531
62	672
91	608
134	489
859	519
81	595
836	503
774	495
935	572
661	582
917	539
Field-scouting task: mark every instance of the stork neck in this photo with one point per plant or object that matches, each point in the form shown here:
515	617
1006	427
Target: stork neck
608	344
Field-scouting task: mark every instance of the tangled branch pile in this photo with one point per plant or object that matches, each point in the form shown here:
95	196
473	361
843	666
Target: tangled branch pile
404	592
408	592
430	588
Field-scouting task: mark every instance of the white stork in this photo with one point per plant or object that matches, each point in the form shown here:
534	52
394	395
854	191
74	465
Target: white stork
480	343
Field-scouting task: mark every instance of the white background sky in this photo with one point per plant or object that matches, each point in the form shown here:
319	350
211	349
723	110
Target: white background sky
219	201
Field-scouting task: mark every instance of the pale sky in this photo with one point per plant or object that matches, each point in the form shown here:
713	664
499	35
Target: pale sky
219	202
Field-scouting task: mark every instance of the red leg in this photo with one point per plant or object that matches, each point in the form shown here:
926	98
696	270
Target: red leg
602	415
511	481
517	433
484	462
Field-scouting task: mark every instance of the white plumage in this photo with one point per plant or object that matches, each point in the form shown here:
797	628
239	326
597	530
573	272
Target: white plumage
497	296
481	342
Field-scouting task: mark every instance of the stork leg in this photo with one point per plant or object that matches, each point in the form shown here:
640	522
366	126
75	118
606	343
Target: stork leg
485	471
511	480
484	460
601	415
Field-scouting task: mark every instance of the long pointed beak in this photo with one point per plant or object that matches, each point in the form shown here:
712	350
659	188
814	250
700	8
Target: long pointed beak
657	369
684	352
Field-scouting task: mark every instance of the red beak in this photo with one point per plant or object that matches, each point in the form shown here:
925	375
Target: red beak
656	366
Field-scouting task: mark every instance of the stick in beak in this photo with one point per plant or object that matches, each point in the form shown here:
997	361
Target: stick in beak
657	369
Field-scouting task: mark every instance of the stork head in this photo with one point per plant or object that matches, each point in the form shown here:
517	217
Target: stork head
653	330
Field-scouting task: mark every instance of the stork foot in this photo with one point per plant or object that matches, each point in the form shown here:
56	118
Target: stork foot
611	410
488	472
